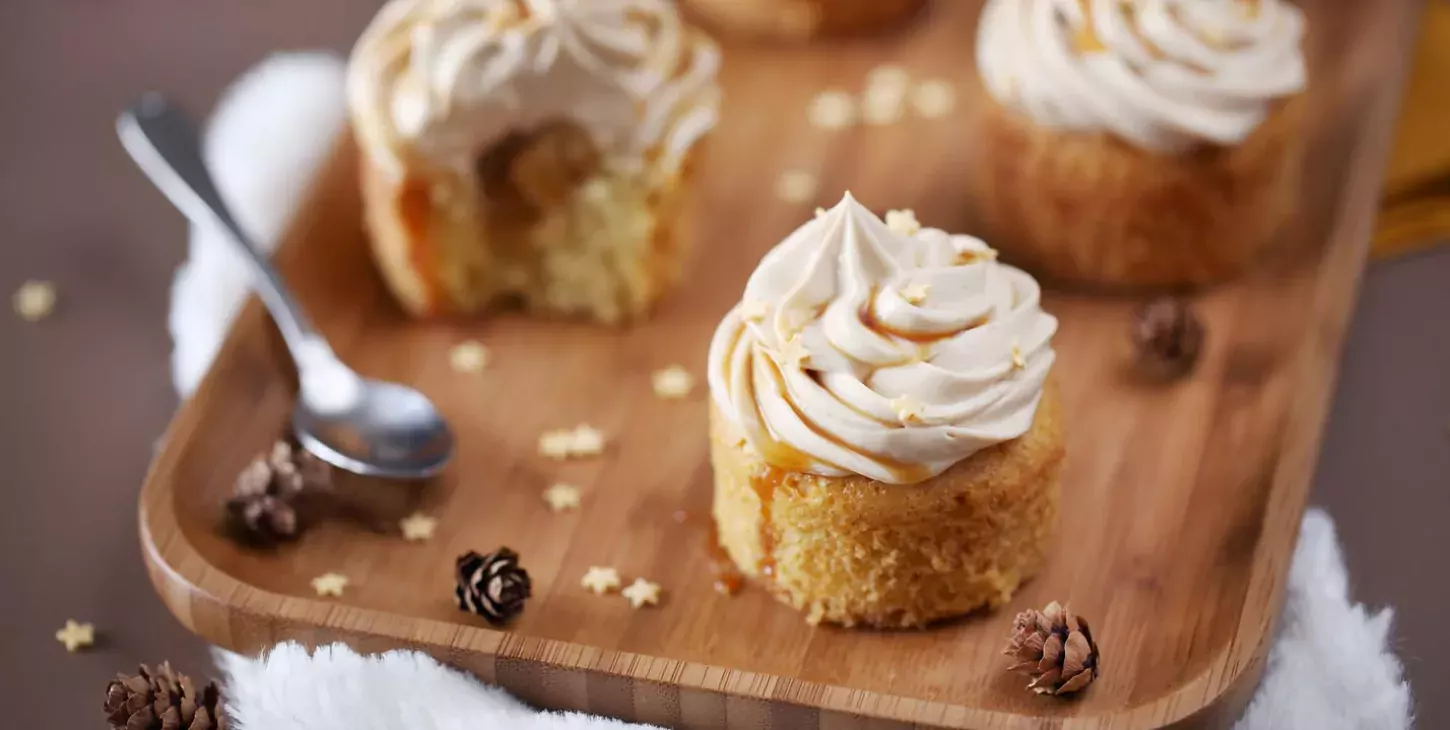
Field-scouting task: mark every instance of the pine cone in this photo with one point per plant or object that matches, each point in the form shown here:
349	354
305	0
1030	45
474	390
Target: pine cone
1167	336
261	519
493	585
163	700
1054	647
263	512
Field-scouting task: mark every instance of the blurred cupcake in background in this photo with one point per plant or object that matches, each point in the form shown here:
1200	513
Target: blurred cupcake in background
1146	144
801	19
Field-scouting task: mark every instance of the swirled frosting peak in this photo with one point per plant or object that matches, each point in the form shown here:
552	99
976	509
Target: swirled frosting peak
1162	74
892	352
448	78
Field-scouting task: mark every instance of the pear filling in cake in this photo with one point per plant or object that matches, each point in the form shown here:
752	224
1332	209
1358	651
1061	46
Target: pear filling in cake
562	229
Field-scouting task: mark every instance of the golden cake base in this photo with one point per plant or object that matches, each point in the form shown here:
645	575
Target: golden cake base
852	550
1090	209
802	19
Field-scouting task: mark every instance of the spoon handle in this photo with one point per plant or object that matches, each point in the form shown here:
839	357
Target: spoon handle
164	144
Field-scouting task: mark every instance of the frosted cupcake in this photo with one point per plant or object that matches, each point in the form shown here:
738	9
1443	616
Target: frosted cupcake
1145	144
529	150
802	19
884	432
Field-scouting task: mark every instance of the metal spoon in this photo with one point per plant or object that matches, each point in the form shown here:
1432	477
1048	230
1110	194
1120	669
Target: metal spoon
365	426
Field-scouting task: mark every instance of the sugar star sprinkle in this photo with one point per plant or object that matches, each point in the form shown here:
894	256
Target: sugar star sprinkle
76	635
562	497
1018	363
887	76
934	99
794	352
468	357
908	409
916	293
673	382
883	105
568	443
418	527
330	584
796	186
600	580
832	110
34	300
903	222
754	310
642	593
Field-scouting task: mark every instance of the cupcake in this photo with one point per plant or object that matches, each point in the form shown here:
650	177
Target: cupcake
802	19
1136	145
885	436
534	151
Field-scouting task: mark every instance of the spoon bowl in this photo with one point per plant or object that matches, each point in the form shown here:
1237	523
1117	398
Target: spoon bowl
390	431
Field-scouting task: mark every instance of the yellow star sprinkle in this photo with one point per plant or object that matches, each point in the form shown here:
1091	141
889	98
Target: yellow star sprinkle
908	409
330	584
673	382
561	497
916	293
418	527
34	300
568	443
903	222
642	593
468	357
600	580
1018	362
76	635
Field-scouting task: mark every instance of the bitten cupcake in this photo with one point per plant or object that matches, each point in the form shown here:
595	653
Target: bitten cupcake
802	19
529	150
1143	144
885	435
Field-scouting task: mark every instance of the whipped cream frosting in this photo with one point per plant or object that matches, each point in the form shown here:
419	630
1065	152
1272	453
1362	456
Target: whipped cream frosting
892	352
1165	75
448	78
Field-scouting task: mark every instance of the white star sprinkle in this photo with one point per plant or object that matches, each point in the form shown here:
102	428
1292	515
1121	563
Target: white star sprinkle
568	443
468	357
34	300
794	352
673	382
887	76
754	310
916	293
796	186
832	110
562	497
330	584
417	527
903	222
642	592
600	580
76	635
934	99
908	409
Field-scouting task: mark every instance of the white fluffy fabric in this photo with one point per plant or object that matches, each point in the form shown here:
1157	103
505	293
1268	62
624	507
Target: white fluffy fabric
1330	668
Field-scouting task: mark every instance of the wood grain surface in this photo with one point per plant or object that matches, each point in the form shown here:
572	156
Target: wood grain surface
1180	502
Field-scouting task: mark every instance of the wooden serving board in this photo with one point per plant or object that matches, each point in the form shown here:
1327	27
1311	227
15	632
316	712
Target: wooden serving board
1180	503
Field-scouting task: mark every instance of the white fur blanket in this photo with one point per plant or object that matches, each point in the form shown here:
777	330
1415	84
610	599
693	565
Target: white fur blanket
1331	667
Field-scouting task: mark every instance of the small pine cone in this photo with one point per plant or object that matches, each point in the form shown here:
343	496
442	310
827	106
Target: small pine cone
1055	647
294	470
1167	337
493	585
162	700
261	519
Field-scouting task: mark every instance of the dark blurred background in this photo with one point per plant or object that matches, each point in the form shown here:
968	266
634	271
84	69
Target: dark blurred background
85	394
